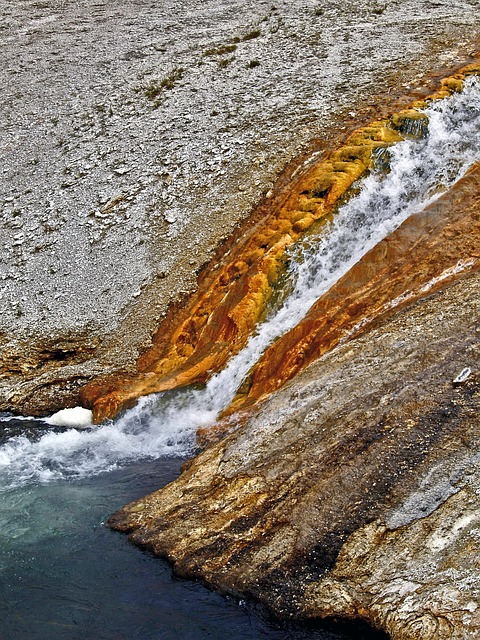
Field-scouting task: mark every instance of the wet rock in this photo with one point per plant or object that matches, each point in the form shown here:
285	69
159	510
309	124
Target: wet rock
51	372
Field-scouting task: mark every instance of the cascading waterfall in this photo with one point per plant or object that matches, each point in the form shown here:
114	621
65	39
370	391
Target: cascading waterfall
165	424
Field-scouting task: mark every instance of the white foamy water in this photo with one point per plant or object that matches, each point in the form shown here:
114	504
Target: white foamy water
165	424
76	417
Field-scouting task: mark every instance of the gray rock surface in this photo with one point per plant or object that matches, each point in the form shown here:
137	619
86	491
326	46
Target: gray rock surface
135	135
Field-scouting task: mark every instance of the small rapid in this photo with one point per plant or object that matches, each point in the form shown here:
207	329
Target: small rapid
419	171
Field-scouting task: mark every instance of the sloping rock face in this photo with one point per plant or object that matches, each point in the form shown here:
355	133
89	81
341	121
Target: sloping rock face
137	136
352	491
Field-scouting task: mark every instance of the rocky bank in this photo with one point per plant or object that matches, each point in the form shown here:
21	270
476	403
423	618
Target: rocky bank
353	491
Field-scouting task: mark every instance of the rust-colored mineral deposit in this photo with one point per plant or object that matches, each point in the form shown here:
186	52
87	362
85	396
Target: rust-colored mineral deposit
197	340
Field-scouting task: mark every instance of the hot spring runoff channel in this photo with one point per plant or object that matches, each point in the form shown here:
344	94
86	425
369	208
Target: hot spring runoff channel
61	575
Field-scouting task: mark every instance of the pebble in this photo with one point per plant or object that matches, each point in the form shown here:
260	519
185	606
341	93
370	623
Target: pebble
462	376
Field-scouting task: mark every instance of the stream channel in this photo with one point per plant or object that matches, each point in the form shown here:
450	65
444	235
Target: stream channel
64	574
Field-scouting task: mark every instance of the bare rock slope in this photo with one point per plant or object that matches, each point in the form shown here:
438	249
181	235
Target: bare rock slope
136	135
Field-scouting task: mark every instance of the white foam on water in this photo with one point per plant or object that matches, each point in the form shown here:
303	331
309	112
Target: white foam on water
165	424
75	417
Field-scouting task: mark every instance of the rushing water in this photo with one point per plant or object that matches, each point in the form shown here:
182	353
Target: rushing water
163	425
54	500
